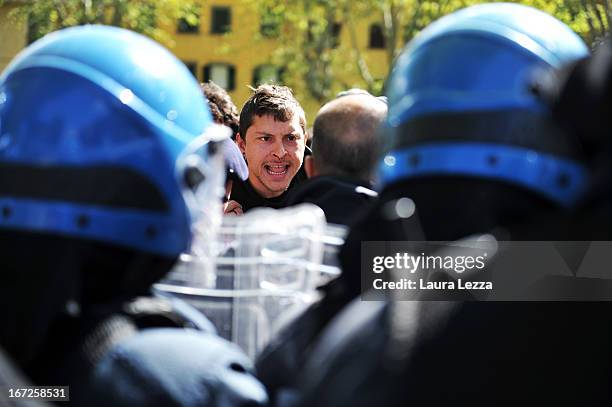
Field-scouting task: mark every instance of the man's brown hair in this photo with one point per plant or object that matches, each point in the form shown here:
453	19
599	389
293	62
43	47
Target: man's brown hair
274	100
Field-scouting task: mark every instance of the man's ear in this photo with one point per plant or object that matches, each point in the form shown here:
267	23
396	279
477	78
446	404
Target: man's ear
309	166
241	143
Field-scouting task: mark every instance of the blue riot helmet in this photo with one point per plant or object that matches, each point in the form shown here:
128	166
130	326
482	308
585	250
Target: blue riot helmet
89	110
461	103
93	121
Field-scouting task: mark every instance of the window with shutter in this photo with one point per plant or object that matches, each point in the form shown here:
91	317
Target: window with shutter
190	24
266	73
222	74
221	20
377	38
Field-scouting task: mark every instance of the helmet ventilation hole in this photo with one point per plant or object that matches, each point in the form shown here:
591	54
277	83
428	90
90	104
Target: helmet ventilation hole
151	232
82	221
563	180
237	367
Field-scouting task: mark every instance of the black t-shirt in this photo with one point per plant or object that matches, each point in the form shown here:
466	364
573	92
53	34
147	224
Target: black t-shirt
244	193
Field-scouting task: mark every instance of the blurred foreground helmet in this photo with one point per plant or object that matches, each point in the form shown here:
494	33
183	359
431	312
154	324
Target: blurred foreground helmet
104	144
461	103
92	122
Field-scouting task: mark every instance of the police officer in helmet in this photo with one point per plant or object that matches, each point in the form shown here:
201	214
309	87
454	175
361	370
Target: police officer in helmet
477	151
98	201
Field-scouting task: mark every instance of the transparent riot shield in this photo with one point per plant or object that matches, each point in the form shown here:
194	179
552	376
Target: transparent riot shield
257	272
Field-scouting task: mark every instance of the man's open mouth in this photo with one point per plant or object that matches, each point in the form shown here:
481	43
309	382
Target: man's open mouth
276	169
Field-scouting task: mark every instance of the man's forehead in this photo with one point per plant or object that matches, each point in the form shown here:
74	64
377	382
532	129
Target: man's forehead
269	122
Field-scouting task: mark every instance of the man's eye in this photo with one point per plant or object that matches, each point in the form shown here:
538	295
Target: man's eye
291	137
265	138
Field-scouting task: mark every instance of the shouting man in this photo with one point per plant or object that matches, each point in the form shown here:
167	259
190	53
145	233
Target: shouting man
272	138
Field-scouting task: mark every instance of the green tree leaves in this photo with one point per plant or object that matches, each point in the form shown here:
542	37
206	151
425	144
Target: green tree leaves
307	48
149	17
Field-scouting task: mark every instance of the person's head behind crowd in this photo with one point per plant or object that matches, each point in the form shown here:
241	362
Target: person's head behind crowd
223	110
272	138
346	140
99	194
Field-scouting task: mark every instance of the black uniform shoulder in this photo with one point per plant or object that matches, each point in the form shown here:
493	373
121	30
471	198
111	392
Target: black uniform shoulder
342	199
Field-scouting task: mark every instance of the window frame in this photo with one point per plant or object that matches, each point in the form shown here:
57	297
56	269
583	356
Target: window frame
215	29
231	74
373	41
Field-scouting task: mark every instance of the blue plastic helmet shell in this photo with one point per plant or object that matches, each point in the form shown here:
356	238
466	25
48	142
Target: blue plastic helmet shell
467	80
92	120
477	58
